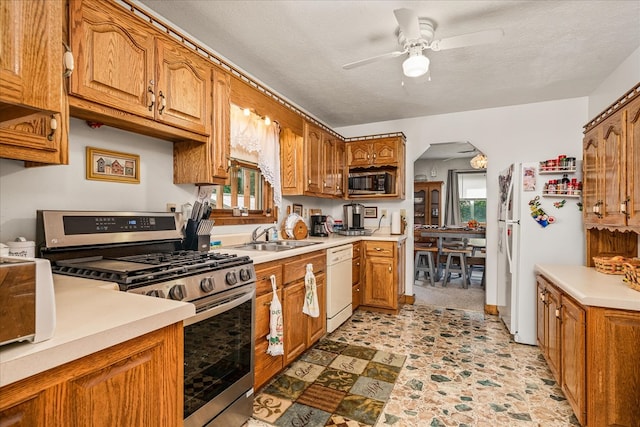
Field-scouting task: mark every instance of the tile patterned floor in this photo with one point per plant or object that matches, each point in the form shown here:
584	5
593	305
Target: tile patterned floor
332	384
462	370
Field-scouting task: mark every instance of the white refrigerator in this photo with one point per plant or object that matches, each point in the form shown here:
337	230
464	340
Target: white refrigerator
535	228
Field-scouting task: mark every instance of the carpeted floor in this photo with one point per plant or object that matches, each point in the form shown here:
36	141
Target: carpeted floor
453	295
333	384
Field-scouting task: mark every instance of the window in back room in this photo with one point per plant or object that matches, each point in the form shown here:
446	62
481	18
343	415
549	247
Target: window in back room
472	192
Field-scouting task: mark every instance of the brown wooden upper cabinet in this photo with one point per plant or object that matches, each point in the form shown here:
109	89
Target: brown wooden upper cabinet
33	111
124	65
383	152
377	153
611	169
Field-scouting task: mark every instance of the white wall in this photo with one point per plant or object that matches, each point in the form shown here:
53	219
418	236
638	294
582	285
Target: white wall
25	190
618	83
528	132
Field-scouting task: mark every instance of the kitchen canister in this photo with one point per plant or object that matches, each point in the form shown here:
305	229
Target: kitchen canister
395	223
22	247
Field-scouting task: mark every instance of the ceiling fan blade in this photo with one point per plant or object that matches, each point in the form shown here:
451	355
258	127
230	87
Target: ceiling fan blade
471	39
408	22
373	59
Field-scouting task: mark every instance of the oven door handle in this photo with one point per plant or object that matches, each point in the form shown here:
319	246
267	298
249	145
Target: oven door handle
227	304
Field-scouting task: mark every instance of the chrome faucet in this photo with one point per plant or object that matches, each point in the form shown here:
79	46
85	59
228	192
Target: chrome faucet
255	235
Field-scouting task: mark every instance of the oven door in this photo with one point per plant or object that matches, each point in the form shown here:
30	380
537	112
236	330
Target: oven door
218	358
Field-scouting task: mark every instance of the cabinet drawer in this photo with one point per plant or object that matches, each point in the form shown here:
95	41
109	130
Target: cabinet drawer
263	274
385	249
263	305
265	365
296	267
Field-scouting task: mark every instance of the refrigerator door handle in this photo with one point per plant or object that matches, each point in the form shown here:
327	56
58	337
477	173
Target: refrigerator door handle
508	247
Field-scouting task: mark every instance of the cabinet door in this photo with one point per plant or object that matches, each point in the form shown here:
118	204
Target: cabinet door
573	343
358	154
220	141
30	412
30	57
114	58
329	166
434	205
385	152
339	166
591	179
541	315
419	202
612	151
317	326
292	163
552	323
633	163
379	286
612	368
183	88
294	321
31	138
266	366
313	165
400	269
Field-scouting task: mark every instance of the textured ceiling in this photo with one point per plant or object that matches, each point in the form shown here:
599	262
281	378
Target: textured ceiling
550	50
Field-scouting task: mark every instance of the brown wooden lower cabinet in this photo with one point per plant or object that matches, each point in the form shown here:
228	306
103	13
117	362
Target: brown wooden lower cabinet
381	280
300	330
596	361
136	383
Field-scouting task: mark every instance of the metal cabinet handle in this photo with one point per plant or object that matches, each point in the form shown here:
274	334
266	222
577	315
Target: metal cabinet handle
53	125
266	304
390	269
163	102
152	98
558	312
378	249
67	61
624	207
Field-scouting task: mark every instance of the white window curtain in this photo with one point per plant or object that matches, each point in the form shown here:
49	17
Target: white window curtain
251	134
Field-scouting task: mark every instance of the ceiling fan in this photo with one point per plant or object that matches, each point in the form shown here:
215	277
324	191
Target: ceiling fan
416	35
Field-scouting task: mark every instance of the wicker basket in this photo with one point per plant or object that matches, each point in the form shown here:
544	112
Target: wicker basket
610	265
632	274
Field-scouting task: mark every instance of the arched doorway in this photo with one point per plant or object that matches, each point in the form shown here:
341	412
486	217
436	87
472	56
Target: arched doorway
446	168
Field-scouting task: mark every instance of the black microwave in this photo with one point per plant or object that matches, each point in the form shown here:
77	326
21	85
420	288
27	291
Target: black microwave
370	183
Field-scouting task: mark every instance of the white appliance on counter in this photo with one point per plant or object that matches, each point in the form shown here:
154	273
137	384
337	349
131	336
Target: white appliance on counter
554	236
339	307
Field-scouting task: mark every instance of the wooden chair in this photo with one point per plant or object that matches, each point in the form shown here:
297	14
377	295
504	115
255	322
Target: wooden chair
425	262
456	250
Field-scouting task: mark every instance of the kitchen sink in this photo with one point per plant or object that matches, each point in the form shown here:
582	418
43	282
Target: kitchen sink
280	245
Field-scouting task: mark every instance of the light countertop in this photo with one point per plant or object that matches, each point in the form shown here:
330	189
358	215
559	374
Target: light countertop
590	287
90	316
260	257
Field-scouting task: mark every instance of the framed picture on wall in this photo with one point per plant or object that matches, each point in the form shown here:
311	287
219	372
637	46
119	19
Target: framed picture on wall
370	212
297	209
107	165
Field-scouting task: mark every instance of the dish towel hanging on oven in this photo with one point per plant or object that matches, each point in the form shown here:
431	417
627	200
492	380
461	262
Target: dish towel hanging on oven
275	323
310	306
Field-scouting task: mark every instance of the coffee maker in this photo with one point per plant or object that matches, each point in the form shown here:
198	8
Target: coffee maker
354	216
318	226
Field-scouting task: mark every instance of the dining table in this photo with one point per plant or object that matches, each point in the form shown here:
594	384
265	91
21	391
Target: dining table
442	233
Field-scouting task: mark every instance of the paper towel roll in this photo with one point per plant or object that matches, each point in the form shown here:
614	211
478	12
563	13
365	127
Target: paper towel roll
395	222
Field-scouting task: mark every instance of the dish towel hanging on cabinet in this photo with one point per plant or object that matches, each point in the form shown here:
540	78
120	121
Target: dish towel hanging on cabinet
311	293
275	323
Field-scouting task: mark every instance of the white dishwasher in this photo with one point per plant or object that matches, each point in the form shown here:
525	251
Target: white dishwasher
339	306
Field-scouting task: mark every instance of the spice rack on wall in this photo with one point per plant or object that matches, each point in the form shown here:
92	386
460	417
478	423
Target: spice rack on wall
564	187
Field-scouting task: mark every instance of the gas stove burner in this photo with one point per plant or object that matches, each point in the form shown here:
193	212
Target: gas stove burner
145	269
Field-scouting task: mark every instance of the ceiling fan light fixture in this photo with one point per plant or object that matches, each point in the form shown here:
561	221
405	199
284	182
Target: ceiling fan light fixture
415	65
479	161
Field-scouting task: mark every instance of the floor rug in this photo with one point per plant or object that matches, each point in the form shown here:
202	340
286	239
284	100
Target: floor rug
332	384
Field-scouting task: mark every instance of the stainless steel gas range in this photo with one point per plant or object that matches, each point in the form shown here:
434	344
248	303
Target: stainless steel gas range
142	253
